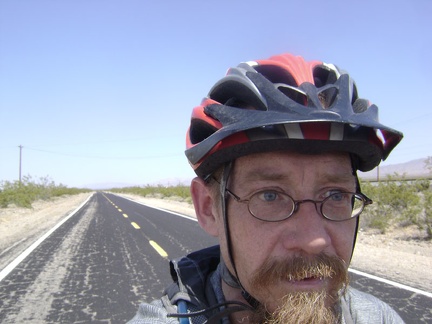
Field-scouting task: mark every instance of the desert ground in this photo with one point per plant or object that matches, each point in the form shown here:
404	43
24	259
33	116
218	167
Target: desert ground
399	255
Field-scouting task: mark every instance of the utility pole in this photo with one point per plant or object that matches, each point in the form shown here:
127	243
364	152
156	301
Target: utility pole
20	161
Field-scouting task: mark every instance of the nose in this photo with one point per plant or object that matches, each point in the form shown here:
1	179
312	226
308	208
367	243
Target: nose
306	230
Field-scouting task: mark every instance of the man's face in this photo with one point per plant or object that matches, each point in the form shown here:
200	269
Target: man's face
305	237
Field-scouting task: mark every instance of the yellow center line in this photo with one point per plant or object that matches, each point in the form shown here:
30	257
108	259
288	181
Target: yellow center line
158	249
156	246
135	225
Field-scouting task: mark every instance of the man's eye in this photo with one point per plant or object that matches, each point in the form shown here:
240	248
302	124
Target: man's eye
337	196
268	196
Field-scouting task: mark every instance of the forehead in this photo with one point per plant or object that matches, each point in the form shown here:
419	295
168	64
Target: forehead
280	165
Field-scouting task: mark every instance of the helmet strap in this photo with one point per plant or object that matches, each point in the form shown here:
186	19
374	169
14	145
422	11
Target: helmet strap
358	189
227	276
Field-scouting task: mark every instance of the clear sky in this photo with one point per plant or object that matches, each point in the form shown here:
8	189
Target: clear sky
101	91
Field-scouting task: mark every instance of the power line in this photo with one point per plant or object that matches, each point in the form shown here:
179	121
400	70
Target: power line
406	121
118	140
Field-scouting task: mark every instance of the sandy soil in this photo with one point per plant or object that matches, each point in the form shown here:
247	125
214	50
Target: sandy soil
21	227
399	255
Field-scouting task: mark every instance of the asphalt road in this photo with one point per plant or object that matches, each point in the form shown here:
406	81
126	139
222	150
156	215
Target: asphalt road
112	255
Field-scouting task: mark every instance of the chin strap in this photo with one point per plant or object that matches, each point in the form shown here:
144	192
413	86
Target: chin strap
227	276
233	282
358	189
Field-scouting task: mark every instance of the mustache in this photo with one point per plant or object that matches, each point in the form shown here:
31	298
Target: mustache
321	266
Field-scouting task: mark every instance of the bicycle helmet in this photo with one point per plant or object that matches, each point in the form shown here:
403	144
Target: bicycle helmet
286	103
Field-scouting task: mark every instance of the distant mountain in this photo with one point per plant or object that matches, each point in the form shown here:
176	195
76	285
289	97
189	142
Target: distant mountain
412	169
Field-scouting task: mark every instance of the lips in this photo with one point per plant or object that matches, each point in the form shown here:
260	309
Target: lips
306	277
310	281
312	278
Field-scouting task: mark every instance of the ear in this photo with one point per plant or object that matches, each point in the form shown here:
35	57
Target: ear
205	208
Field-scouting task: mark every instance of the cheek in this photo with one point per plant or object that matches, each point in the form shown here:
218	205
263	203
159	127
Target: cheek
252	242
244	231
343	239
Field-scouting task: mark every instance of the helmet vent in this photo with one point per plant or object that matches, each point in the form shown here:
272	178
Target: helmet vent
276	74
293	94
327	97
200	130
235	94
323	76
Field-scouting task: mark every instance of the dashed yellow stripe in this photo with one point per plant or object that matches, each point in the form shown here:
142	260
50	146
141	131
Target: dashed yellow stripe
158	249
156	246
135	225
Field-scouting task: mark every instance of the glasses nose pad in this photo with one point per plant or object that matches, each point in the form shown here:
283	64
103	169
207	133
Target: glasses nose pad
297	205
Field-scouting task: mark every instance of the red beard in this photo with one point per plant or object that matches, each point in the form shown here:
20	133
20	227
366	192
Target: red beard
301	306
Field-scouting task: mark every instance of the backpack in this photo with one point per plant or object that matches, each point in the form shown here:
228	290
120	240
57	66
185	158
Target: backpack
191	290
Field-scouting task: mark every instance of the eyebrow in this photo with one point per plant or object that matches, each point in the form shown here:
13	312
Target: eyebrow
260	174
338	178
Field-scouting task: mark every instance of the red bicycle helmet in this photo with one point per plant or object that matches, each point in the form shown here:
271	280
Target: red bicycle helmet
286	103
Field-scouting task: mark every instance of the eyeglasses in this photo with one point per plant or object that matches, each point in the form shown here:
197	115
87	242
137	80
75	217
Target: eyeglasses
275	206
